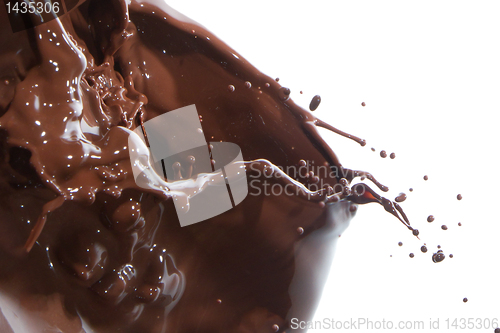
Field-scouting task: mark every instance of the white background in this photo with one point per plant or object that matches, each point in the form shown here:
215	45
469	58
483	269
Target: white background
429	73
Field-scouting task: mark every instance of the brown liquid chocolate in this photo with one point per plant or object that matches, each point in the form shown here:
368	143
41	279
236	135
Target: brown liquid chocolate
81	245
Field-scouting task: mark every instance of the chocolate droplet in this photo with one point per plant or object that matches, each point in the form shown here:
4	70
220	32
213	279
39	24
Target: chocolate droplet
400	198
276	328
373	149
284	93
430	218
363	104
230	88
400	243
411	255
248	84
465	300
423	249
459	224
383	154
392	156
415	232
459	197
451	255
315	102
426	177
444	227
300	230
438	257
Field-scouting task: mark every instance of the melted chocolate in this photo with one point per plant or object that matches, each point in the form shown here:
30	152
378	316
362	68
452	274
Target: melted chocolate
81	238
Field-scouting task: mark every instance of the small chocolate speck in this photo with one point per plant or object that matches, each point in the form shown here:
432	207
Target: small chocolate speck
439	246
219	301
353	208
444	227
363	104
276	328
277	79
400	243
411	255
300	230
392	156
301	92
459	197
373	149
430	218
390	256
230	88
465	300
248	84
415	232
411	189
426	177
267	85
423	249
383	154
316	100
451	255
459	224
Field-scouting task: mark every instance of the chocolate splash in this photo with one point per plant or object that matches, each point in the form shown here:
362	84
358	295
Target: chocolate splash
81	238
